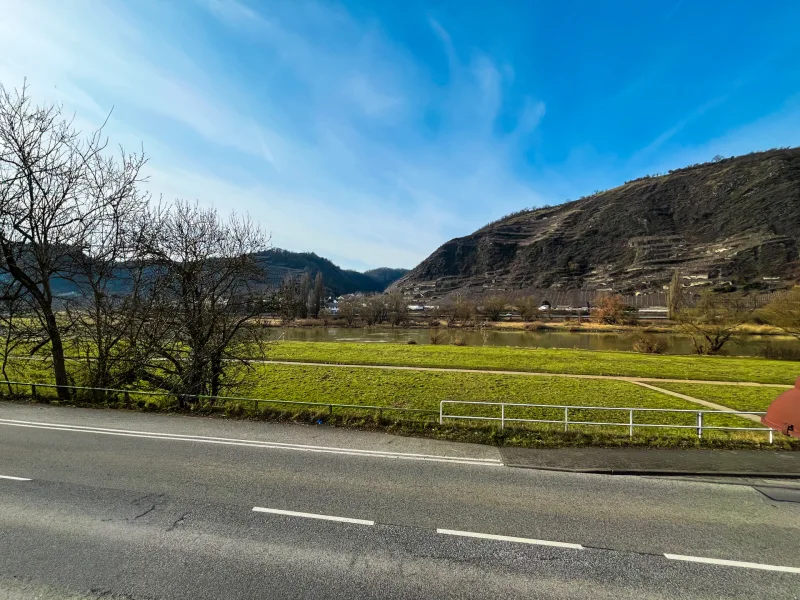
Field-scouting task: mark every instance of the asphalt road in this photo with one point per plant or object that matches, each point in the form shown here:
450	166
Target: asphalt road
127	509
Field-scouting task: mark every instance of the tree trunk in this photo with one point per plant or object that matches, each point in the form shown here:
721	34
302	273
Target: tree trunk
59	363
216	376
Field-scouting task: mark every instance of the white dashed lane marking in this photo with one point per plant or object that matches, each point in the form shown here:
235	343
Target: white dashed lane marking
291	513
507	538
732	563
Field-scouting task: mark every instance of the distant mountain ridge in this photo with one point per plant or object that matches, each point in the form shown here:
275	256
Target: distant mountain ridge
386	275
732	220
280	263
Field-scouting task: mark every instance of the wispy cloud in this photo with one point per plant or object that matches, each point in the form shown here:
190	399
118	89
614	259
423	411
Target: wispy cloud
323	150
334	134
90	56
667	135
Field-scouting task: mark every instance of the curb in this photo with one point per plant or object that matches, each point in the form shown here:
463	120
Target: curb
657	472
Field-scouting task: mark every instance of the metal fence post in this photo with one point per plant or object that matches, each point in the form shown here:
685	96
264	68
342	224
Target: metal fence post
770	436
33	390
566	418
630	430
699	424
441	412
502	416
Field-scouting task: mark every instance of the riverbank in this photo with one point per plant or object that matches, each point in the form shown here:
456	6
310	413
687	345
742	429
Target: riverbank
599	337
557	324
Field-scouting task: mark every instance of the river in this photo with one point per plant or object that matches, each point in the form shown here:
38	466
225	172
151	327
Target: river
751	345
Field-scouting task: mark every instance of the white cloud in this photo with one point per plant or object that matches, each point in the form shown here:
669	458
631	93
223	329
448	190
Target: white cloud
82	51
778	130
315	172
667	135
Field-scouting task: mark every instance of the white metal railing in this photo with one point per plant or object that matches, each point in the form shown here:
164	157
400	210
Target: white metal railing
699	426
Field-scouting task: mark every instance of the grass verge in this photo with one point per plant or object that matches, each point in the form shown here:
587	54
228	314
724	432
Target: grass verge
422	391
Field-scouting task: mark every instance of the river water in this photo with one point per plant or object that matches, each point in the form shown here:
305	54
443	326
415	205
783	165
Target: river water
677	344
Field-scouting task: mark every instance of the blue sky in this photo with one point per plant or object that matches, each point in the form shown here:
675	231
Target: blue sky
372	132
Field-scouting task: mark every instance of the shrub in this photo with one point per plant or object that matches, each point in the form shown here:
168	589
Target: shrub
459	340
782	351
649	344
325	316
463	311
436	336
528	309
612	310
234	409
784	312
714	320
494	307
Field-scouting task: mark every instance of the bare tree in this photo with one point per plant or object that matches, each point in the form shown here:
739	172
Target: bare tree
528	309
324	315
347	310
304	295
57	187
108	321
318	295
289	299
784	312
715	320
21	329
462	311
208	277
375	310
397	308
493	308
675	299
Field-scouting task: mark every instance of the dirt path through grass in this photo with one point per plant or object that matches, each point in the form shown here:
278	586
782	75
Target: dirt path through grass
706	403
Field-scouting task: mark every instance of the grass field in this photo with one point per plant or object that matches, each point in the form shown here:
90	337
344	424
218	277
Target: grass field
423	390
733	396
541	360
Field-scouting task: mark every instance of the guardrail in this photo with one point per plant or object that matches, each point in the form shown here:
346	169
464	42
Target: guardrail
126	394
631	424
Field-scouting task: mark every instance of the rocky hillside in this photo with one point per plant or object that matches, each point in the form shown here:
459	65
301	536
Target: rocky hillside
734	220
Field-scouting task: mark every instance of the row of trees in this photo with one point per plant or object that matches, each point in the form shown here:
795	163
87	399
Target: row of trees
298	298
374	310
712	321
90	266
